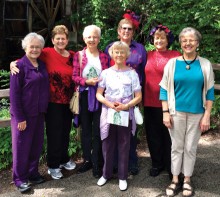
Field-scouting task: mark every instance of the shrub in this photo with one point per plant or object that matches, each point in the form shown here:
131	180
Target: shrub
5	148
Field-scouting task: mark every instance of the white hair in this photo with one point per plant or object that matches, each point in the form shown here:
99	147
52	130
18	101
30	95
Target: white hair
88	29
119	45
190	30
29	37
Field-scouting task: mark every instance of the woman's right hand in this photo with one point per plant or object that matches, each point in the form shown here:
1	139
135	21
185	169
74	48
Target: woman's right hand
167	120
13	68
109	104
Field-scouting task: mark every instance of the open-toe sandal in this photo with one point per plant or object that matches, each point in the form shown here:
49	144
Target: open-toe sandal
188	188
174	188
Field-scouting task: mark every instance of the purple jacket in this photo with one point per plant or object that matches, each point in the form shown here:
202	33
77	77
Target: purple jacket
29	90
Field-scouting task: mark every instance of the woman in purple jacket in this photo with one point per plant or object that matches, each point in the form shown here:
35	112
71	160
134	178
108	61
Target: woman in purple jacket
137	61
29	94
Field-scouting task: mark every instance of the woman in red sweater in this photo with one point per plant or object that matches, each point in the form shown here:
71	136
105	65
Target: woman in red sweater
58	62
157	134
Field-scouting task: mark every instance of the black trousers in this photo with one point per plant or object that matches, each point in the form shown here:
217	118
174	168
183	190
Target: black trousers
90	135
158	138
58	126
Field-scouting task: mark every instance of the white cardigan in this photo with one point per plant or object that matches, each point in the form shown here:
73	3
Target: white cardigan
167	81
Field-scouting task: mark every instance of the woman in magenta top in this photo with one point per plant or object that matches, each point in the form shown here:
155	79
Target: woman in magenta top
157	134
87	67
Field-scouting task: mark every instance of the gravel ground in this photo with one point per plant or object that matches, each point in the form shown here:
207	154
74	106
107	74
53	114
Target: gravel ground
206	179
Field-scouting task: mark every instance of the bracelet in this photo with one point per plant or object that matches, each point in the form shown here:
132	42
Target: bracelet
164	111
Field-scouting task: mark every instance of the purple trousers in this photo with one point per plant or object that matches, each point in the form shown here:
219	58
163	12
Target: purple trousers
119	137
26	148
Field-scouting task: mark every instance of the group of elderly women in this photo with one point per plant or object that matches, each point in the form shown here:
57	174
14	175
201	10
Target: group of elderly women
177	101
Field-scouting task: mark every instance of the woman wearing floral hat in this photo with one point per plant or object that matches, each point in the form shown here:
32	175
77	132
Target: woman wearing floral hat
137	61
157	134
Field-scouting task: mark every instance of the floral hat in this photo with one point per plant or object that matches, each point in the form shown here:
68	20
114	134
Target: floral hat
134	18
169	34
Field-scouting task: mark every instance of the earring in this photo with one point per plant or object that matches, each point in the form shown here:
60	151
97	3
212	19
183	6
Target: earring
197	49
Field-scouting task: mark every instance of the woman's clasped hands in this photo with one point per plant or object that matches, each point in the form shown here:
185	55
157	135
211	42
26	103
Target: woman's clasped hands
117	106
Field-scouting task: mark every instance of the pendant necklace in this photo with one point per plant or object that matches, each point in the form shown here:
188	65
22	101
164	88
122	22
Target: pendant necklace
188	64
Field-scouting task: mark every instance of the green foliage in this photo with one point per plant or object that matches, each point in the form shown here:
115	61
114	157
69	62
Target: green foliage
5	136
4	79
215	115
4	108
203	15
75	144
5	148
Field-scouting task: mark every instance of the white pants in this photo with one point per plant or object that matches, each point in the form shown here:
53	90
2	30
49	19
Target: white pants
185	135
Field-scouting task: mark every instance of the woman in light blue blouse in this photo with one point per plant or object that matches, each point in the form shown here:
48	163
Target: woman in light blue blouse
187	94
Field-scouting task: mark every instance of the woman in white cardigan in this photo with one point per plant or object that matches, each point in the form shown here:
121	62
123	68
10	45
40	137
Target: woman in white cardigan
187	94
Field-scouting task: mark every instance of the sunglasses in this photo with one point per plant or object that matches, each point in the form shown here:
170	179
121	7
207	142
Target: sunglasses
128	28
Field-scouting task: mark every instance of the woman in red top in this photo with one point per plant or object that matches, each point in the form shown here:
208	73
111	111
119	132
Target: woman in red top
157	134
59	117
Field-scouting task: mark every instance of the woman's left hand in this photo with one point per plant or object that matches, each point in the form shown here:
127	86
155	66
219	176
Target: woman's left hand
120	106
92	81
205	123
22	126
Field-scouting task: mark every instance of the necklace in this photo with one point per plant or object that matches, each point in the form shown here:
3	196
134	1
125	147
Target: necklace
188	64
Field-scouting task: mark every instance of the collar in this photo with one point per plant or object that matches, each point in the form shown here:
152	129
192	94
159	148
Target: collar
28	64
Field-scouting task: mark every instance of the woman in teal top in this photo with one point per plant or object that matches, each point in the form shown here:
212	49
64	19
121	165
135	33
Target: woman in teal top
187	94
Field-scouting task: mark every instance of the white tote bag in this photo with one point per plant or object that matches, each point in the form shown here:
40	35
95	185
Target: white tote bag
138	116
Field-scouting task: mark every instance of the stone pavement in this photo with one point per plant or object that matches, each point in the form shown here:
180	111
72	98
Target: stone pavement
206	180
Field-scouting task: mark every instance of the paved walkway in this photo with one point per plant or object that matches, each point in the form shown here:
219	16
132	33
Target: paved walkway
206	180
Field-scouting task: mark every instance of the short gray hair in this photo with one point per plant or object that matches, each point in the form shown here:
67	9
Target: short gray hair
29	37
90	28
119	44
190	30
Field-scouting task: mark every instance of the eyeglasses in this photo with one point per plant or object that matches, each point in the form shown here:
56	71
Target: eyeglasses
128	28
35	47
92	37
121	52
188	41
